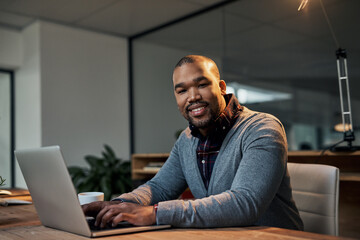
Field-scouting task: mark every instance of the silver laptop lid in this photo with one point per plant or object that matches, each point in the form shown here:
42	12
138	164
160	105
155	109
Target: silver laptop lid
52	190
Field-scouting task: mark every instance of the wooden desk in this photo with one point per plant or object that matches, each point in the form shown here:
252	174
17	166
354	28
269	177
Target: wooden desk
21	222
18	215
42	233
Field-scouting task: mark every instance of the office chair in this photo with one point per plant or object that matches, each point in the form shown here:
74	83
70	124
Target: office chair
315	191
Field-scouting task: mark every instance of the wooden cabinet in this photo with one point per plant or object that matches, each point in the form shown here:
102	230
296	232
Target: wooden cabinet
140	161
348	163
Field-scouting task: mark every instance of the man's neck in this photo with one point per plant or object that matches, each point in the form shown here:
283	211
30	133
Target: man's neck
204	131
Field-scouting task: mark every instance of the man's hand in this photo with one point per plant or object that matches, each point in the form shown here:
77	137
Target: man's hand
92	209
115	212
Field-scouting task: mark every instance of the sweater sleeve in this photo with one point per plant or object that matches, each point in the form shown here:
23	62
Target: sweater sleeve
256	182
167	184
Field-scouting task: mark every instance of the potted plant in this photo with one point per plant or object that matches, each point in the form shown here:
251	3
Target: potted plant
107	174
2	181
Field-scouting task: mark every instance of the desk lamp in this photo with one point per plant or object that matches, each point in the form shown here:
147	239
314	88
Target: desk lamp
346	116
345	103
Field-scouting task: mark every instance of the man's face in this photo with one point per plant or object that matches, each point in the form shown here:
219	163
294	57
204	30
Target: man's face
199	93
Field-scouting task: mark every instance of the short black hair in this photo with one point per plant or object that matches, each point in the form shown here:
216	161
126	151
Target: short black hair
186	59
194	58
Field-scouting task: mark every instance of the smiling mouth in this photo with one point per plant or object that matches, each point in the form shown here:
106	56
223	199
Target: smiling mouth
196	111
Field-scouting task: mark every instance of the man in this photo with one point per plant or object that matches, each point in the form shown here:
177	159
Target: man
232	159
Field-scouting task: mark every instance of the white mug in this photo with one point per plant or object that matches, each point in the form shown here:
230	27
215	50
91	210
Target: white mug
88	197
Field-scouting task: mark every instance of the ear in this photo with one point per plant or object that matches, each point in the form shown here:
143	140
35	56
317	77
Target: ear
222	86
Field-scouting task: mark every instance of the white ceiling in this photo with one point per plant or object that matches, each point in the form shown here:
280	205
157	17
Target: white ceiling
262	40
120	17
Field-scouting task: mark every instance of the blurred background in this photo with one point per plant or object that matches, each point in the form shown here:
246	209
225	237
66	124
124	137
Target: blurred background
84	73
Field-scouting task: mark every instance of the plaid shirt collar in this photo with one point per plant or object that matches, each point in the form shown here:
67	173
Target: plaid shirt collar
225	120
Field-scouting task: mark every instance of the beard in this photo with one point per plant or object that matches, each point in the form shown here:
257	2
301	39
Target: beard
207	120
201	123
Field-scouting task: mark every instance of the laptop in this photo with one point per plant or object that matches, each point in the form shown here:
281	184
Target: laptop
54	195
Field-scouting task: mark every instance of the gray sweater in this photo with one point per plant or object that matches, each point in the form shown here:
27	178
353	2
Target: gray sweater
249	185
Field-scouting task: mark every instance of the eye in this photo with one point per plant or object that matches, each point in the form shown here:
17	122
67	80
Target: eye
202	85
181	91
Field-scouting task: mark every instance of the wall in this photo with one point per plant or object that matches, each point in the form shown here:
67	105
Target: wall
10	48
156	117
71	89
84	92
28	95
5	125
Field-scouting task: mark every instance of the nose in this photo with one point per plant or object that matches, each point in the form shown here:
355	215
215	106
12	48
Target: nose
194	95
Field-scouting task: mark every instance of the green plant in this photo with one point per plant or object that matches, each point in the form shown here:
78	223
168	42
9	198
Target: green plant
107	174
2	180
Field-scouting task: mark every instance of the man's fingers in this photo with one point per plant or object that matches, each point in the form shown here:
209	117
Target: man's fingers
99	216
118	218
130	212
108	216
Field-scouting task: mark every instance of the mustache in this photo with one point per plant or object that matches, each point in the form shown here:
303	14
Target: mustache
195	103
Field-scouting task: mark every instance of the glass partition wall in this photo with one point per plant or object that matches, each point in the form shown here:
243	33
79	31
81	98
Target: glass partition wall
273	57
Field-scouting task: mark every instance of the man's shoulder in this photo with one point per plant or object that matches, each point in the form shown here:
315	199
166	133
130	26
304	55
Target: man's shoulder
185	134
248	114
253	120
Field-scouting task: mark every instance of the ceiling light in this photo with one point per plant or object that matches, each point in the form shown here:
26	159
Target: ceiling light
302	4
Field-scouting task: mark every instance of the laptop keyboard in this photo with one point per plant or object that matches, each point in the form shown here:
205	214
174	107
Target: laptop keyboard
91	222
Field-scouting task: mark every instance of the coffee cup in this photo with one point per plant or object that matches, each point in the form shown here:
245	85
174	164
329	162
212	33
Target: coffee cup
88	197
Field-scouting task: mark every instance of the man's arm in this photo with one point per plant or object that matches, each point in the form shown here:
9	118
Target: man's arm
167	184
256	182
136	206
